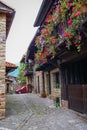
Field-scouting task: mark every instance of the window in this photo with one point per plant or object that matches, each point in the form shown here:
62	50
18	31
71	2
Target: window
56	80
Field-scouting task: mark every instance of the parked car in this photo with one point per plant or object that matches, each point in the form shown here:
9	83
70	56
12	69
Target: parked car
24	89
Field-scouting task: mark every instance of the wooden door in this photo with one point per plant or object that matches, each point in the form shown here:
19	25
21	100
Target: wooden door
85	98
75	97
38	84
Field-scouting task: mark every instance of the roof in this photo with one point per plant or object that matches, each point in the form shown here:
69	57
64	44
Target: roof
10	13
8	80
10	67
44	9
32	47
23	58
8	64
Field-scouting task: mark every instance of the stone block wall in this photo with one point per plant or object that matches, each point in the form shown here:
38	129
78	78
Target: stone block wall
55	92
2	63
64	103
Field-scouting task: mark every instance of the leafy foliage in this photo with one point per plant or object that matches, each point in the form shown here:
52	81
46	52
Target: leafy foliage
21	78
67	15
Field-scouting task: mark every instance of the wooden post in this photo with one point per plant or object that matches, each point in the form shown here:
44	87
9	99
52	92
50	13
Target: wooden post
43	82
49	82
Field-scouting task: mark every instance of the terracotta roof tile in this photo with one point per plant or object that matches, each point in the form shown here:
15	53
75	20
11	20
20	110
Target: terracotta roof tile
8	64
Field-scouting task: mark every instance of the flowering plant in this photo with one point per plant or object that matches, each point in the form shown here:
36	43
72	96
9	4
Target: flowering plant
66	13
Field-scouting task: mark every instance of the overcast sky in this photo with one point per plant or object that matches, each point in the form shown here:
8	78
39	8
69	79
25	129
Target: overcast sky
22	30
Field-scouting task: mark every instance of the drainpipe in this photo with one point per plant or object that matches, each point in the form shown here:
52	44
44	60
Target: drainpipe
49	82
43	82
34	76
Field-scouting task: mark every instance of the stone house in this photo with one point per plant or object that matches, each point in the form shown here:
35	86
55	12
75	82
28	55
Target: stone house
45	77
68	67
70	64
6	18
28	70
9	80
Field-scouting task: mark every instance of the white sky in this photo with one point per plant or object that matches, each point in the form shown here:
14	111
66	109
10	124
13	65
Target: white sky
22	30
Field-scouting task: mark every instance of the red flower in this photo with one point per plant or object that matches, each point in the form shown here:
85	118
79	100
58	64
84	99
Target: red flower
60	9
35	56
42	31
77	14
76	45
44	62
54	40
70	22
48	18
67	34
69	4
73	9
47	32
80	37
74	41
62	27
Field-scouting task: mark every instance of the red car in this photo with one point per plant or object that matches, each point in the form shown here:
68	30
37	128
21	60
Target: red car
24	89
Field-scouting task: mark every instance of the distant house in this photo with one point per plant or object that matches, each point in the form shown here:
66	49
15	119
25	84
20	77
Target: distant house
6	18
10	67
10	80
28	70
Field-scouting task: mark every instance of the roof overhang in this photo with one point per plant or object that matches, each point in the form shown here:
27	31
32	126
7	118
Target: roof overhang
10	67
44	9
49	65
32	47
8	80
23	58
9	20
10	13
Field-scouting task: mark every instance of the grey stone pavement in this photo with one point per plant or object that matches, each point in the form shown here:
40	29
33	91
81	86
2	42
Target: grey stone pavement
31	112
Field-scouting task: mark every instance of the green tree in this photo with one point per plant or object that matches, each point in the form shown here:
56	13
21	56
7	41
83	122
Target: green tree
21	76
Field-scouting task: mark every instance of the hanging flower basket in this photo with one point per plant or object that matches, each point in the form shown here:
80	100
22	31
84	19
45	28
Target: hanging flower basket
68	15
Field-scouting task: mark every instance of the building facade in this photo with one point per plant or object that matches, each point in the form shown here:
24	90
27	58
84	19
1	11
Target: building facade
64	31
6	18
59	49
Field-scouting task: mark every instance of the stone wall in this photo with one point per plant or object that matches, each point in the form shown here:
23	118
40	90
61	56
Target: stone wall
64	103
55	92
2	63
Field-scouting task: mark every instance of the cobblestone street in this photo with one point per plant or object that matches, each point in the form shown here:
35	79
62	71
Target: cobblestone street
30	112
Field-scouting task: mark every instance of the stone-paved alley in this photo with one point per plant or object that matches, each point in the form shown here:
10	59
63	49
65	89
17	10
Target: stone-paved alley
31	112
